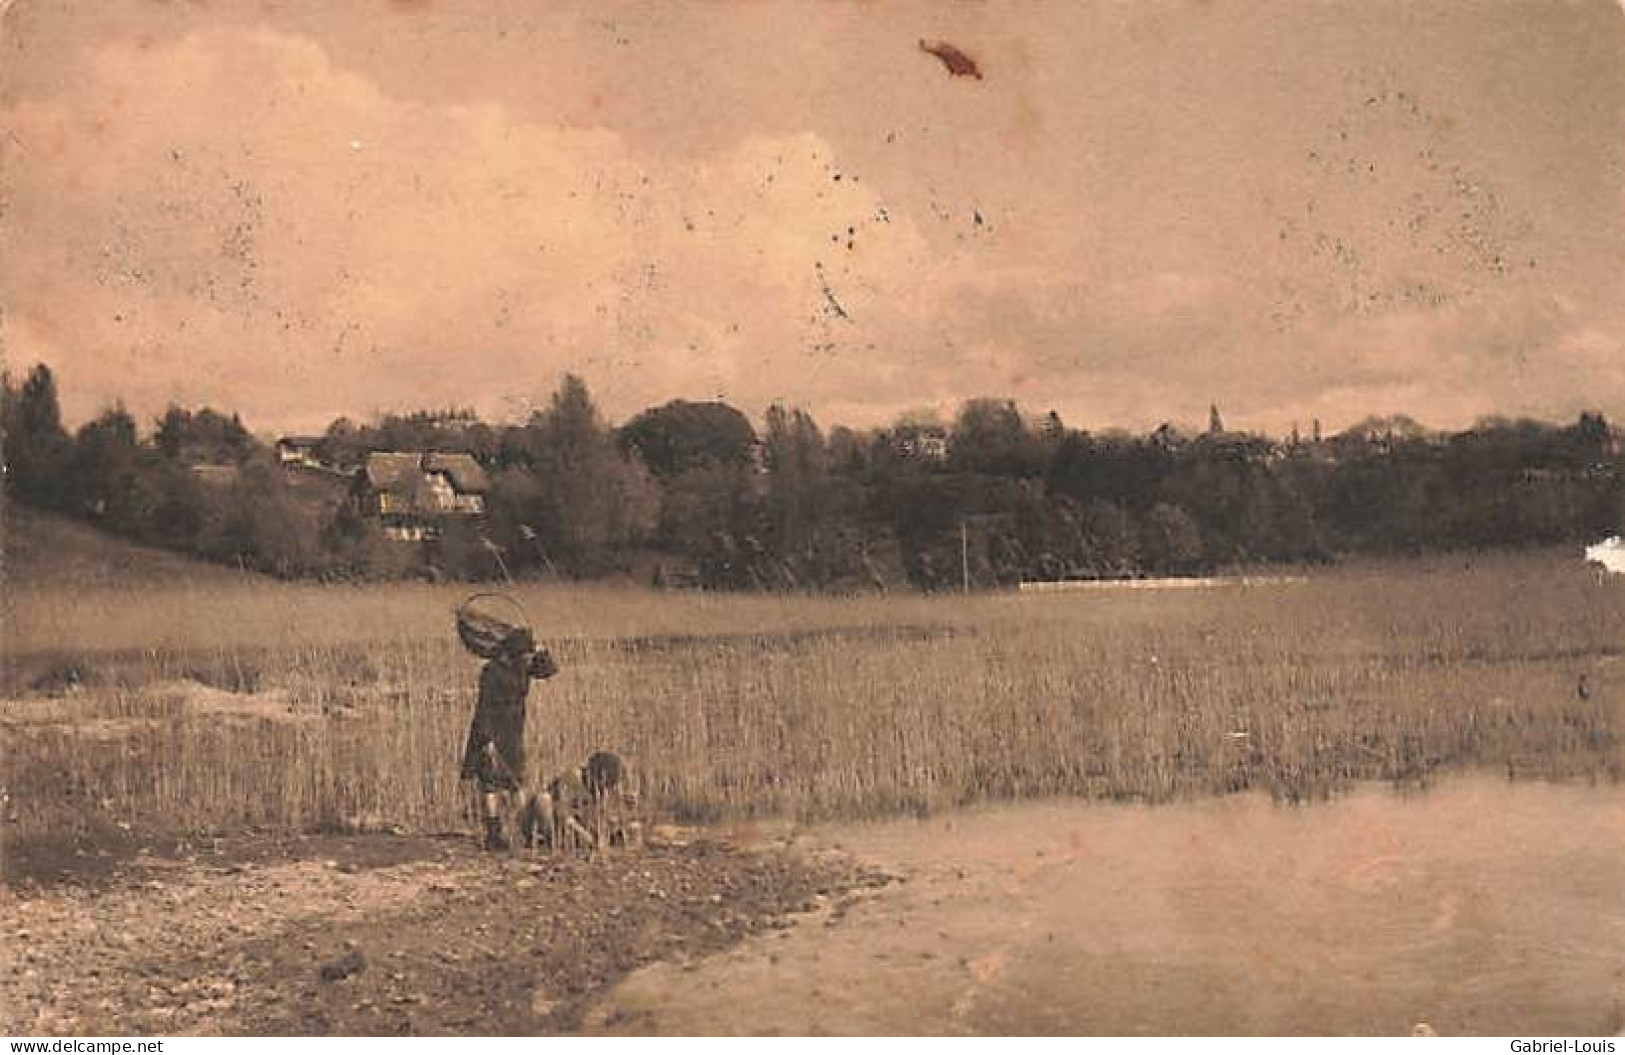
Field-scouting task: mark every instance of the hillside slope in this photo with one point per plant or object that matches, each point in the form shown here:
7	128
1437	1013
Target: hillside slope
40	549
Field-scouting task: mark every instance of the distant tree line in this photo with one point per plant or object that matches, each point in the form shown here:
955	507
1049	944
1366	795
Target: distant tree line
695	486
146	489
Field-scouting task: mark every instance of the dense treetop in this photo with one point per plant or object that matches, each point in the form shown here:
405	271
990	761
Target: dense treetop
692	489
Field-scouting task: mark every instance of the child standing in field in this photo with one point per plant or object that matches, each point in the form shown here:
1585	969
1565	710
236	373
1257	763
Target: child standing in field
494	756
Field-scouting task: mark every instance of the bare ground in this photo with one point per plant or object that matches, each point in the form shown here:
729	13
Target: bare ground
1478	906
371	935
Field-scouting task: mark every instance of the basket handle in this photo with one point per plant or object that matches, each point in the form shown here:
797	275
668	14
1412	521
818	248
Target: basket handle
524	617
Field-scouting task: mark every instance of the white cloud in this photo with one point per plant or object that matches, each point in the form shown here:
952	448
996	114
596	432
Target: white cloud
338	241
231	215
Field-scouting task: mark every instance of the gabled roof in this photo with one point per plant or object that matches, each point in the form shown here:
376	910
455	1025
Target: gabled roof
405	473
386	471
465	473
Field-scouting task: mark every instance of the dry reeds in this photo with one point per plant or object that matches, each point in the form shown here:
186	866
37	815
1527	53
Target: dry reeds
815	707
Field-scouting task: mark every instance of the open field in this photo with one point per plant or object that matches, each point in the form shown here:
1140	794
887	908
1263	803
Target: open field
199	770
235	701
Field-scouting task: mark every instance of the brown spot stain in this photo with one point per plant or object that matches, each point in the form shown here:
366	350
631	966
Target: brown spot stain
955	61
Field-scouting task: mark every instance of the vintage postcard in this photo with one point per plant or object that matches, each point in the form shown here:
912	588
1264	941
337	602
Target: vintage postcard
787	518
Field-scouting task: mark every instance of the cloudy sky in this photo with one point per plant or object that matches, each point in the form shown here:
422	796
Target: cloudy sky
1297	210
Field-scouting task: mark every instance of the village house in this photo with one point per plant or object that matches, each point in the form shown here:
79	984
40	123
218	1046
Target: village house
925	442
298	450
414	494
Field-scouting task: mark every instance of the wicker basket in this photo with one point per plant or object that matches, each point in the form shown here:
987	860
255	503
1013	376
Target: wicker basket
485	620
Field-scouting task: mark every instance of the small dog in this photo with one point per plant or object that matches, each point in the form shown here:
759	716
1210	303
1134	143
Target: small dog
580	809
567	801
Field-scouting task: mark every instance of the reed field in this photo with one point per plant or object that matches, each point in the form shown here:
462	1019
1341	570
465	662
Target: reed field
232	702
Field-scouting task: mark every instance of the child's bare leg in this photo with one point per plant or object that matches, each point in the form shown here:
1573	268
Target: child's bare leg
491	803
536	824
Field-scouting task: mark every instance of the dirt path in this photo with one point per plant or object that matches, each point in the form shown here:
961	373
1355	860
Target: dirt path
1477	908
377	935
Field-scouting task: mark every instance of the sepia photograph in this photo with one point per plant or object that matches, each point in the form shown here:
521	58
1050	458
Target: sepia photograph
807	518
